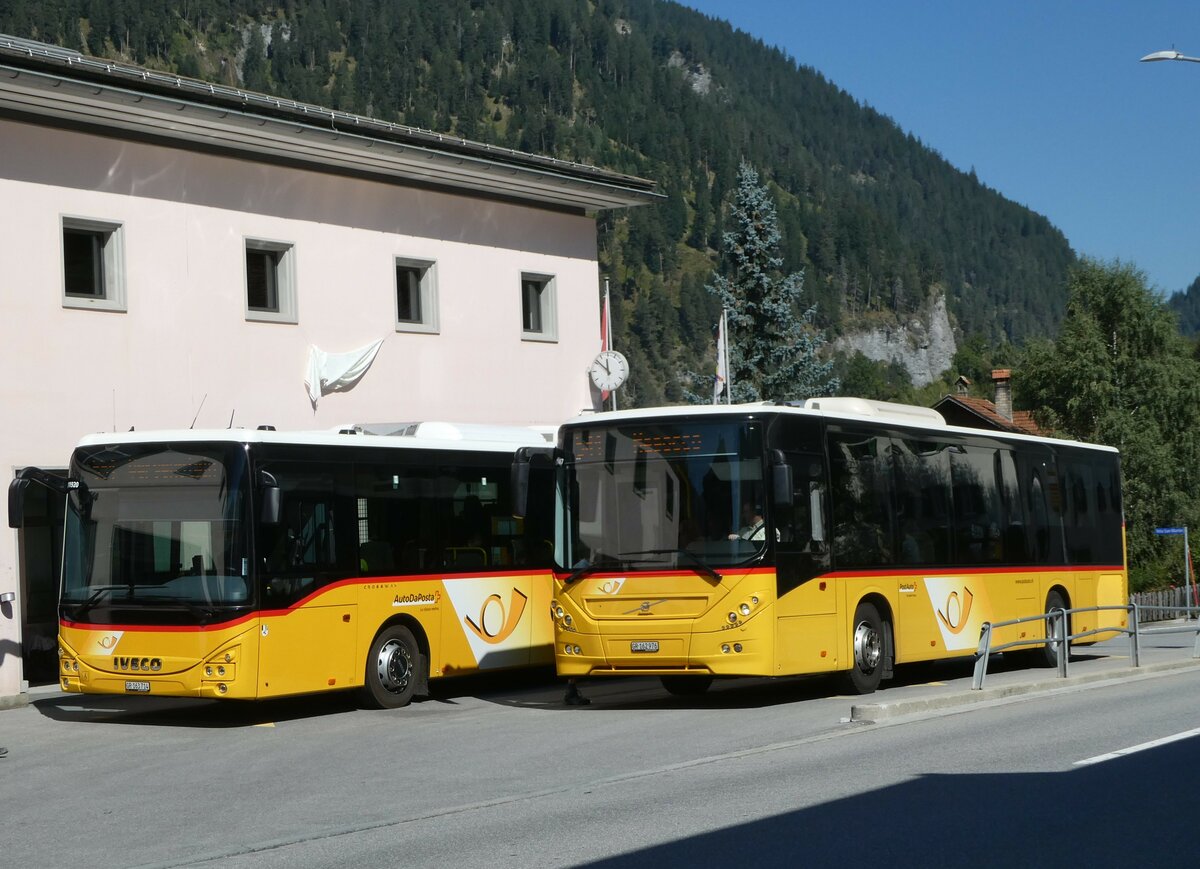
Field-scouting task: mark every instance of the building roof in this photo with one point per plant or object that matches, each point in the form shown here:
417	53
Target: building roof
981	413
60	87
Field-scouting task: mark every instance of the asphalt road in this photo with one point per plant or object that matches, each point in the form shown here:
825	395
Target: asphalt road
486	774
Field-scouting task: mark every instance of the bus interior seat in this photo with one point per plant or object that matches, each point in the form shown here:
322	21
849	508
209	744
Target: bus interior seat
375	556
466	556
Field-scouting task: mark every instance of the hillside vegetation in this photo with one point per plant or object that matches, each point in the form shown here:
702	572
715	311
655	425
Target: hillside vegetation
879	223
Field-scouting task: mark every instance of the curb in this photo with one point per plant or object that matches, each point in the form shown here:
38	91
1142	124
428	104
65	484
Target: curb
14	701
870	713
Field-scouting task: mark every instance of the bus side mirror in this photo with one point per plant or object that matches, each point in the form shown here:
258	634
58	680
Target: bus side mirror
270	505
271	499
522	462
16	502
519	487
782	493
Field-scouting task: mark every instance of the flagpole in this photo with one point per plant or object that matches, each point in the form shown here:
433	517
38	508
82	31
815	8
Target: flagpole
608	335
728	373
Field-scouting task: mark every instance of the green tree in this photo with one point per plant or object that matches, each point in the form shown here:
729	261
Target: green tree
1121	374
773	347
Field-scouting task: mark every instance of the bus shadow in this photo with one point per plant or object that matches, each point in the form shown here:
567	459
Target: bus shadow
645	692
188	712
1102	814
191	713
485	686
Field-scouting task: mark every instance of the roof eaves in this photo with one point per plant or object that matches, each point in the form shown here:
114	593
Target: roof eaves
110	87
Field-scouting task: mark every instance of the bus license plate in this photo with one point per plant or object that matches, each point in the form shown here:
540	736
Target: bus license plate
138	687
644	646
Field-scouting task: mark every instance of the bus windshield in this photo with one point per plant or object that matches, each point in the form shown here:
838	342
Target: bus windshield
156	527
684	494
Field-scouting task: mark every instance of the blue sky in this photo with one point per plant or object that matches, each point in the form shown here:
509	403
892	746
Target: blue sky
1046	100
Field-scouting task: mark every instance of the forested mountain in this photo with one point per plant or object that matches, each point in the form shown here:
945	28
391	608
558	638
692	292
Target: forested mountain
876	220
1186	306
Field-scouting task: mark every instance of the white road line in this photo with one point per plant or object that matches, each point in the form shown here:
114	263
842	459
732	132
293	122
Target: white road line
1155	743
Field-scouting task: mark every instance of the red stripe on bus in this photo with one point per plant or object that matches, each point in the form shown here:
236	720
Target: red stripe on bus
958	571
300	604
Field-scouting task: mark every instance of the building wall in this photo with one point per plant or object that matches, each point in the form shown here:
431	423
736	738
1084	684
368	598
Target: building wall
184	350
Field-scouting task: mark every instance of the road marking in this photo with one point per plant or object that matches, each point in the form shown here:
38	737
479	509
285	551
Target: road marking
1155	743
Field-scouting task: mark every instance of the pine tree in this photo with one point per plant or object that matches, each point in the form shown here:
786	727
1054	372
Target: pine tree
773	348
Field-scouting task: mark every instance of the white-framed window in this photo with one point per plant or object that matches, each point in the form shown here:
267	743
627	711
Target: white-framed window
93	264
416	295
270	281
539	311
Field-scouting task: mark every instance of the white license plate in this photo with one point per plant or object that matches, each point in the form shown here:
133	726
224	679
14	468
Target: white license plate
138	687
644	646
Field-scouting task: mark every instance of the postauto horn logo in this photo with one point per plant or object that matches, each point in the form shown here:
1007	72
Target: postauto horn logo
959	610
490	612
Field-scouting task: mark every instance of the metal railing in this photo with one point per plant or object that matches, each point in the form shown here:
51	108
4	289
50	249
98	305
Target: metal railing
1057	637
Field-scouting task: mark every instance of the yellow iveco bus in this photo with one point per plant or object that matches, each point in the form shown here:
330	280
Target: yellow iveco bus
835	536
251	564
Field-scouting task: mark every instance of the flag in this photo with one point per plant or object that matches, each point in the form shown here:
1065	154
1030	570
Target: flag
722	371
605	338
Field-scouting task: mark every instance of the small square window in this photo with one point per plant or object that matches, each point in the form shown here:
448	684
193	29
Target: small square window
416	296
538	309
93	264
270	281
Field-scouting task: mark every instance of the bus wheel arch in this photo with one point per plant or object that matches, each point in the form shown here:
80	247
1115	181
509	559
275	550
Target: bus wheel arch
872	645
397	665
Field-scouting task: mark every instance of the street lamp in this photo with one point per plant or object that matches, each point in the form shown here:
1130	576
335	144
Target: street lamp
1171	54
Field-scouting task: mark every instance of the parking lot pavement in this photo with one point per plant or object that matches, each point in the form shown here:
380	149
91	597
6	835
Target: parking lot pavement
1108	661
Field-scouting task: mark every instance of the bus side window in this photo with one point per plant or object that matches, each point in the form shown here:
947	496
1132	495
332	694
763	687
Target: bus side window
861	479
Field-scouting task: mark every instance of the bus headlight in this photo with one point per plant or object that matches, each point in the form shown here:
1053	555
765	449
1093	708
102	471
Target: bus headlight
733	618
744	609
567	620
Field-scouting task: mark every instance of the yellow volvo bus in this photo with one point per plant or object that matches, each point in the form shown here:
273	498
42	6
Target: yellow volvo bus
835	536
251	564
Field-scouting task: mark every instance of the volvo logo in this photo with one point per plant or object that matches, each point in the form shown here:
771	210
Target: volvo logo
643	609
146	664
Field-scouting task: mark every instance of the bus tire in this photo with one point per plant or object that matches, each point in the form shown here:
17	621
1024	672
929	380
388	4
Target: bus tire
686	686
1044	655
393	668
867	640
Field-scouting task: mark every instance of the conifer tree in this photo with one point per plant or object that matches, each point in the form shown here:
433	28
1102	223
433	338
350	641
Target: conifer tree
773	346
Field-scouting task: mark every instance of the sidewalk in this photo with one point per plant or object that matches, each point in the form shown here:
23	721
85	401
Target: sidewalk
1108	661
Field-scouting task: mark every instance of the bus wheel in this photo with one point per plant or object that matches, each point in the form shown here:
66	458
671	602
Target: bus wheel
1044	656
687	686
392	676
867	638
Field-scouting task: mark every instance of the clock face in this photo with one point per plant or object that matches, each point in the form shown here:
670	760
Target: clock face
609	370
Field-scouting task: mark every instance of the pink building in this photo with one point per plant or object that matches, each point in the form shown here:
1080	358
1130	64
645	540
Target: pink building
179	253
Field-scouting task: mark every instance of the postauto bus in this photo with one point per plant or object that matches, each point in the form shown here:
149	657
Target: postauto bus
255	563
837	536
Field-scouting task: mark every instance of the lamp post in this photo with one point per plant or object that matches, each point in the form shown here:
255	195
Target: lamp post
1170	54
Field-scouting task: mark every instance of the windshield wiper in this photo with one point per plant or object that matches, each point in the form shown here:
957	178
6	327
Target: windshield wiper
585	567
700	566
94	598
